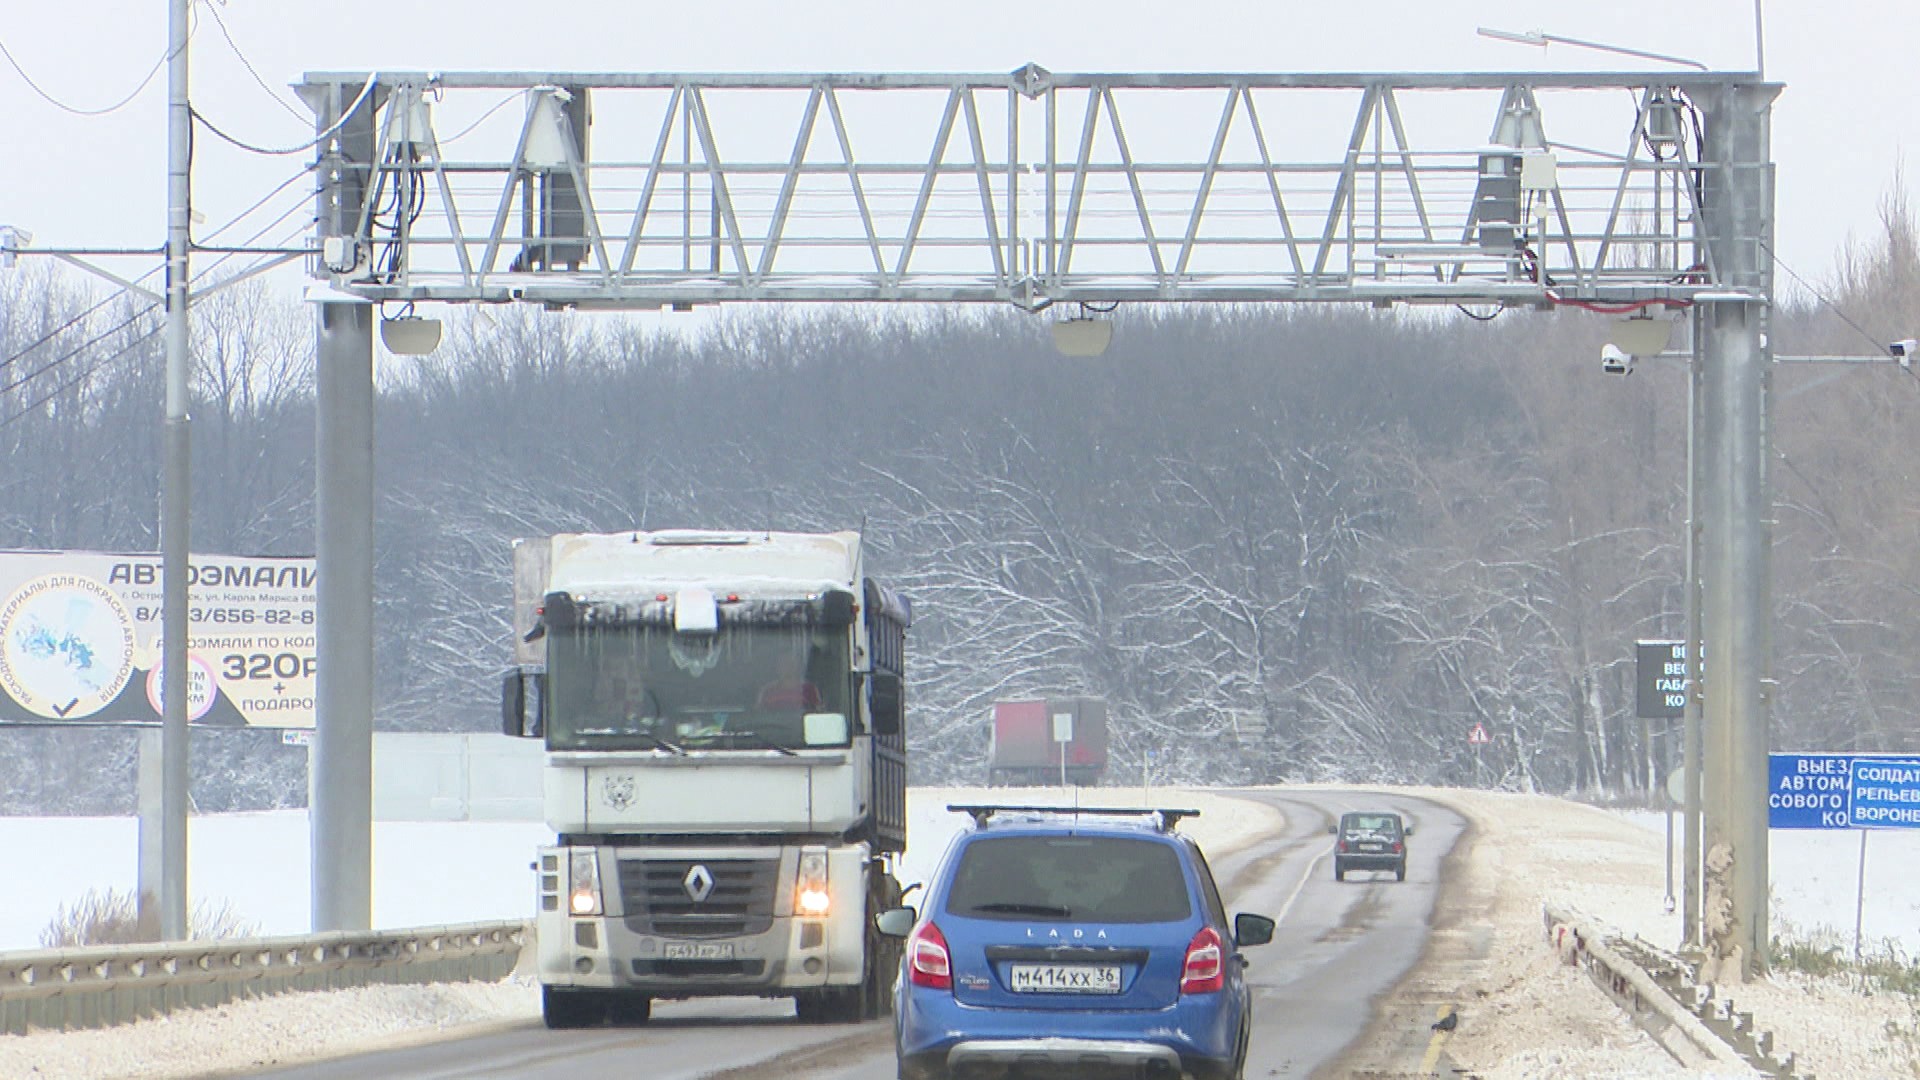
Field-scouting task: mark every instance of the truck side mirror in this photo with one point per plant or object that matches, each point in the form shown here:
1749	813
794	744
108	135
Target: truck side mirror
523	703
884	700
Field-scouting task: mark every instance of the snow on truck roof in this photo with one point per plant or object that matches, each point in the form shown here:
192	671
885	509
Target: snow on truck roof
775	563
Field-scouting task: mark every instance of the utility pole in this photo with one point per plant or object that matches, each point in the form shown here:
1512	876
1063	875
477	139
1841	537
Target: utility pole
175	491
1690	715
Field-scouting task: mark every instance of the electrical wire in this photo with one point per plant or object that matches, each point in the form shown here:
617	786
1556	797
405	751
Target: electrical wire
79	375
262	201
469	129
345	115
62	328
111	297
76	350
214	10
193	25
1878	345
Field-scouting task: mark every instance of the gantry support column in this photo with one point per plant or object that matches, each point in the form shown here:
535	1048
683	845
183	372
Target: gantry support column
1736	505
342	780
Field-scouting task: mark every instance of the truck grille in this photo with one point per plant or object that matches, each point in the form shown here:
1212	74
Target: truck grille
658	902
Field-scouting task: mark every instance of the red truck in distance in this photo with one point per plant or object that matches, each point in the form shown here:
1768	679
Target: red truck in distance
1024	753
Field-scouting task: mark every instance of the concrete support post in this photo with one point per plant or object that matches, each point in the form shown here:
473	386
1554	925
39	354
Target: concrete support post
340	806
342	809
151	878
176	480
1737	213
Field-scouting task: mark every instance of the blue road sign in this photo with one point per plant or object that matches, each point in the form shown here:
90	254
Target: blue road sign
1886	793
1809	791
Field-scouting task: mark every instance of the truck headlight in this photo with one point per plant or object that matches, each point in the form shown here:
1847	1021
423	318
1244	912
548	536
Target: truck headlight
811	899
583	888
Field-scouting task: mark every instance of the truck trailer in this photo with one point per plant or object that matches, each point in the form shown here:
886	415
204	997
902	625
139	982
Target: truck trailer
1026	748
724	723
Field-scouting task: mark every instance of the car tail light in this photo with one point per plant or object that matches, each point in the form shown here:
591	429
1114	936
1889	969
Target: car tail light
929	964
1205	970
1396	847
1341	846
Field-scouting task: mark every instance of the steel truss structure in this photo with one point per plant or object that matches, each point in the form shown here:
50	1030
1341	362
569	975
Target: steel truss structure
1028	188
1631	194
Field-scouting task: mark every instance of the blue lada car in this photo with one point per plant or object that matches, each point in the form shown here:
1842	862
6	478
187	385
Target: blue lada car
1058	943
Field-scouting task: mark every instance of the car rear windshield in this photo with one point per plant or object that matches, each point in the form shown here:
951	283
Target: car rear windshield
1373	823
1084	878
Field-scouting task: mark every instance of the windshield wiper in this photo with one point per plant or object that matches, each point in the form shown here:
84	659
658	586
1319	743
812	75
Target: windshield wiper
1024	909
622	733
758	741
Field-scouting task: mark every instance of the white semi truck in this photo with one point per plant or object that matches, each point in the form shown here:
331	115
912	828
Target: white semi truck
726	768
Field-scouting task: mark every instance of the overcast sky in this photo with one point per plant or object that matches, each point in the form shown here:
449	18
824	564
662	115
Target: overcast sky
1841	126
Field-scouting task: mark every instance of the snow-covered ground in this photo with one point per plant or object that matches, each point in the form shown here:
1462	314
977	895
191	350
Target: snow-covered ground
1530	1017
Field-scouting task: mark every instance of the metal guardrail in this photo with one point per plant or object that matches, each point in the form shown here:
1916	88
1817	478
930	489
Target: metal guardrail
1656	990
103	985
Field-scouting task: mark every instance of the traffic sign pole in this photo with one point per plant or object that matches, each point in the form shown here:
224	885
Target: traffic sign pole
1860	897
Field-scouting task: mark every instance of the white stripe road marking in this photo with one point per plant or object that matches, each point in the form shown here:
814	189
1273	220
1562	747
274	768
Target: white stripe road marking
1298	886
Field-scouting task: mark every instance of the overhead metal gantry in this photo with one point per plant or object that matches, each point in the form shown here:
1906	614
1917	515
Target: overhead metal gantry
1026	188
1643	194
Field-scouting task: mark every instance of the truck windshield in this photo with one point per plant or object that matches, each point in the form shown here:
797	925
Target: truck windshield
745	688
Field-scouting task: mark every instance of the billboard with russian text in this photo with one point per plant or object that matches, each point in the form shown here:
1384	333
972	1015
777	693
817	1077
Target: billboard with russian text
80	639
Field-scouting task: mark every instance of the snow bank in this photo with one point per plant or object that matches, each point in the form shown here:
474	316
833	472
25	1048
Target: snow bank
1534	849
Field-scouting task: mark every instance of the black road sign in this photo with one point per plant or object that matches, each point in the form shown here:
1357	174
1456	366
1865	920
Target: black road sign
1660	679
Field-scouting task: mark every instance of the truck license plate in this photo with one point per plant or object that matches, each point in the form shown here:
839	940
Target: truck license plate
697	950
1065	978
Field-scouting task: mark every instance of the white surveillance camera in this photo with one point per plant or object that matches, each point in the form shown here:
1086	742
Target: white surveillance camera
1614	361
1904	350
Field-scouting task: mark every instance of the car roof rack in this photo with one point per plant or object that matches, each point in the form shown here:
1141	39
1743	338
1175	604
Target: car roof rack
982	813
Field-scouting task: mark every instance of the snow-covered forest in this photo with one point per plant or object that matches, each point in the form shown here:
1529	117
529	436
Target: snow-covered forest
1284	543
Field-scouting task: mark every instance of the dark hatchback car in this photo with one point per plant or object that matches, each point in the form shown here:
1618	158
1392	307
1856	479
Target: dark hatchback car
1057	943
1370	840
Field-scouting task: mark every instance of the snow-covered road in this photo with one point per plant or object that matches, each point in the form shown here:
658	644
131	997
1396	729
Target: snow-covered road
1531	1017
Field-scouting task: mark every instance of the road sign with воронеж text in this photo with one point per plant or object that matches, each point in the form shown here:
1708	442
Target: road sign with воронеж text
1885	793
1843	791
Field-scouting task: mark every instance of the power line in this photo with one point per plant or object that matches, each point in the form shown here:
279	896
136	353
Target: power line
345	115
1878	345
468	130
77	376
248	64
62	328
23	380
116	294
258	203
76	110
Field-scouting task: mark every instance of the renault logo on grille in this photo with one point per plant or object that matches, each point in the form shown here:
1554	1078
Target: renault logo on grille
698	883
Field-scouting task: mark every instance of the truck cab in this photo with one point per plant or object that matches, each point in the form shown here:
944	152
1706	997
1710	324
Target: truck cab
726	772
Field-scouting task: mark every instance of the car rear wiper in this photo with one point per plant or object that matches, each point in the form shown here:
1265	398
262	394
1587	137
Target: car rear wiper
1024	909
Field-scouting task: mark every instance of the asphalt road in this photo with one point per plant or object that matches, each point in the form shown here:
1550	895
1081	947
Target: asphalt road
1340	950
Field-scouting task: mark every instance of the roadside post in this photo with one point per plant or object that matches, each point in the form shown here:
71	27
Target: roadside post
1477	737
1062	737
1884	793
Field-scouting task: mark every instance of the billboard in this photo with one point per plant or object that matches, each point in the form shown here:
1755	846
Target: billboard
80	639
